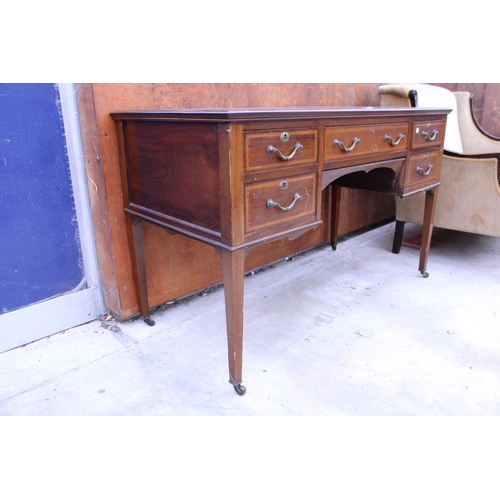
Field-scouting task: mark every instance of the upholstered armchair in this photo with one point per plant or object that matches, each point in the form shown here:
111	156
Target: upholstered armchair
469	196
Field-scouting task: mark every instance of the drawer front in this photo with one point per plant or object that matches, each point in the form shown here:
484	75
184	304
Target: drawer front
272	149
423	169
427	134
354	141
280	201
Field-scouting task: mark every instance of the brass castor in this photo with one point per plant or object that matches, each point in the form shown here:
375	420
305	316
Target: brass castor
240	389
149	321
425	274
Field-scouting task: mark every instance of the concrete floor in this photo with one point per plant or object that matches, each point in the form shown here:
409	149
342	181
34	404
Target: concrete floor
352	332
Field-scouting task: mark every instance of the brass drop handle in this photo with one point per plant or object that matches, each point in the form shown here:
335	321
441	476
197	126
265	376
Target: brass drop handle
391	140
272	204
272	149
428	136
345	148
421	170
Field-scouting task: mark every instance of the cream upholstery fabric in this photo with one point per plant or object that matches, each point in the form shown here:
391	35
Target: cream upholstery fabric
457	207
469	195
429	96
473	143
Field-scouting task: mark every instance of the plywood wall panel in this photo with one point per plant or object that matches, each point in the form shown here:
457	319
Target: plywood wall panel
485	105
97	195
177	266
490	119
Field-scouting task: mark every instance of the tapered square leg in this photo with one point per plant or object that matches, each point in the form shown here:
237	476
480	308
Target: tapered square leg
136	239
233	274
428	226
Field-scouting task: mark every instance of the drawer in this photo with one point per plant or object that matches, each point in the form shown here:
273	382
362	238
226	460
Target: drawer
281	201
354	141
427	134
271	149
423	169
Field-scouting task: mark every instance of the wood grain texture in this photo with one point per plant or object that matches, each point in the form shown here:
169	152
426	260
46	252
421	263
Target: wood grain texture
486	103
178	266
260	218
490	119
97	195
180	170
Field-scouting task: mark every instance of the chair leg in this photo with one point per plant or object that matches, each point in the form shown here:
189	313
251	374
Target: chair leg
398	236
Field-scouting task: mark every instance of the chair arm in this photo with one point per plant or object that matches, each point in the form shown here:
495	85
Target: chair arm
477	124
474	139
397	95
489	158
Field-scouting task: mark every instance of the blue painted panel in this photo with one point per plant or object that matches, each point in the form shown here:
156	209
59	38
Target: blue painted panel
40	254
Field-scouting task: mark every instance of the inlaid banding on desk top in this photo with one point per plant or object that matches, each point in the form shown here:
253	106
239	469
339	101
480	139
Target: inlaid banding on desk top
252	114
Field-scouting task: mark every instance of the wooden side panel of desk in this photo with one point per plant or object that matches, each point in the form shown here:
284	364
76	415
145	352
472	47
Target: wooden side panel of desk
174	168
247	182
193	266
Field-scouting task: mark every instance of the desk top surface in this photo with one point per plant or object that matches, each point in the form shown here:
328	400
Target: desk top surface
252	114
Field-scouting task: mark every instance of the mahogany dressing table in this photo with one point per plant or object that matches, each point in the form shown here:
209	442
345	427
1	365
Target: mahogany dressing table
236	178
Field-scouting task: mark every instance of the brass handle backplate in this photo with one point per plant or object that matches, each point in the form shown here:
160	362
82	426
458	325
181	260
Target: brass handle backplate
428	137
272	149
344	147
391	140
422	172
272	204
